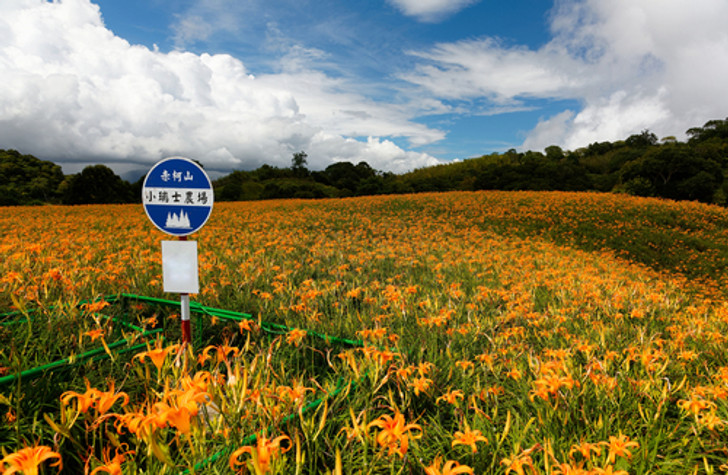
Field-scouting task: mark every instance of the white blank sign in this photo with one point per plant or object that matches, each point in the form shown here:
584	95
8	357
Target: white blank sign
179	267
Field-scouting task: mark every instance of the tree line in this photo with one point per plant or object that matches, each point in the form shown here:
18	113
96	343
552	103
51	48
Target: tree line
27	180
640	165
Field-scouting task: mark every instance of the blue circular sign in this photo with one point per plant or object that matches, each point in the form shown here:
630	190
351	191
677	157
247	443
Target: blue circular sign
177	196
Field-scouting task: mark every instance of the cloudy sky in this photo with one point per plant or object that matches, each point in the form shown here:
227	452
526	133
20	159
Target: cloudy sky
399	84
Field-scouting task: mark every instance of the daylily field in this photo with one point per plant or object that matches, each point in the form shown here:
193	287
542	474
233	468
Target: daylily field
489	332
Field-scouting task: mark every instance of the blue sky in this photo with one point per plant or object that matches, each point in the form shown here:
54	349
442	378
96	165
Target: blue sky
364	42
400	84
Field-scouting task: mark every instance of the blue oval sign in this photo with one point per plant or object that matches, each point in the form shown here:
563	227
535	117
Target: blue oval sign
177	195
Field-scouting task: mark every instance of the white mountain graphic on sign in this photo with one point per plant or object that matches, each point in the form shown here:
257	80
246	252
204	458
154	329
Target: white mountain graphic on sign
178	222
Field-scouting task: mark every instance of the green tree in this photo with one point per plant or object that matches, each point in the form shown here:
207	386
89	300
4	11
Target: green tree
267	172
713	129
350	179
533	171
554	152
96	184
675	172
230	187
298	165
25	179
642	140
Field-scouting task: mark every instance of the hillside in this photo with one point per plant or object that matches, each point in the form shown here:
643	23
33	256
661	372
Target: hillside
686	238
512	324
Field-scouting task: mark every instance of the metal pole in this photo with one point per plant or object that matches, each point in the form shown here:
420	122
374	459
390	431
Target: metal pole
184	300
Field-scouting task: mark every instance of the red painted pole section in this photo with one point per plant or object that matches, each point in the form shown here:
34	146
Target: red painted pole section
185	313
186	328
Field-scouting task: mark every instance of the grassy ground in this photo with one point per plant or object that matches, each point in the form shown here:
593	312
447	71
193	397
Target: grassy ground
493	332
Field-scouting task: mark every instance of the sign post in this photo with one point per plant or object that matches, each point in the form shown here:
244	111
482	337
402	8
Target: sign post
177	195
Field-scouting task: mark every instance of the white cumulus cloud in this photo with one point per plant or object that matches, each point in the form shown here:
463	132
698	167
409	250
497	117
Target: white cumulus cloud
431	10
629	64
75	92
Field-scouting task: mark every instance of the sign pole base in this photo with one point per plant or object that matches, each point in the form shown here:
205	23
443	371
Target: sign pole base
185	317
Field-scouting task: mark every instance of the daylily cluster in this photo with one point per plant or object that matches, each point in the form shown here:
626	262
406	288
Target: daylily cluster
553	377
102	401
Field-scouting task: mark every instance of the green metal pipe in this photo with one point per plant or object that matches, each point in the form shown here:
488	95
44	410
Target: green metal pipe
217	312
196	307
125	350
129	325
67	361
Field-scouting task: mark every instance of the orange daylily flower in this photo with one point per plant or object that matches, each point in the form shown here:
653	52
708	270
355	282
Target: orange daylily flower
424	368
520	462
375	334
711	421
549	385
295	393
395	433
421	385
95	334
262	455
199	382
469	437
609	470
84	401
465	364
139	424
178	417
402	373
451	467
28	459
112	466
104	400
295	336
569	469
585	449
191	398
619	447
95	306
247	325
179	408
451	397
514	373
695	404
158	354
221	353
358	429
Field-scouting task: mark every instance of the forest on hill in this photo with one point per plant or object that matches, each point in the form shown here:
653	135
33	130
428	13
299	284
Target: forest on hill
640	165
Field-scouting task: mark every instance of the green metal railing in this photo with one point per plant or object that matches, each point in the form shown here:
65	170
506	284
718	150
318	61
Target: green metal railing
98	353
269	327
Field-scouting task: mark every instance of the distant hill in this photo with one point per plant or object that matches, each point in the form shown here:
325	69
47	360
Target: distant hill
640	165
